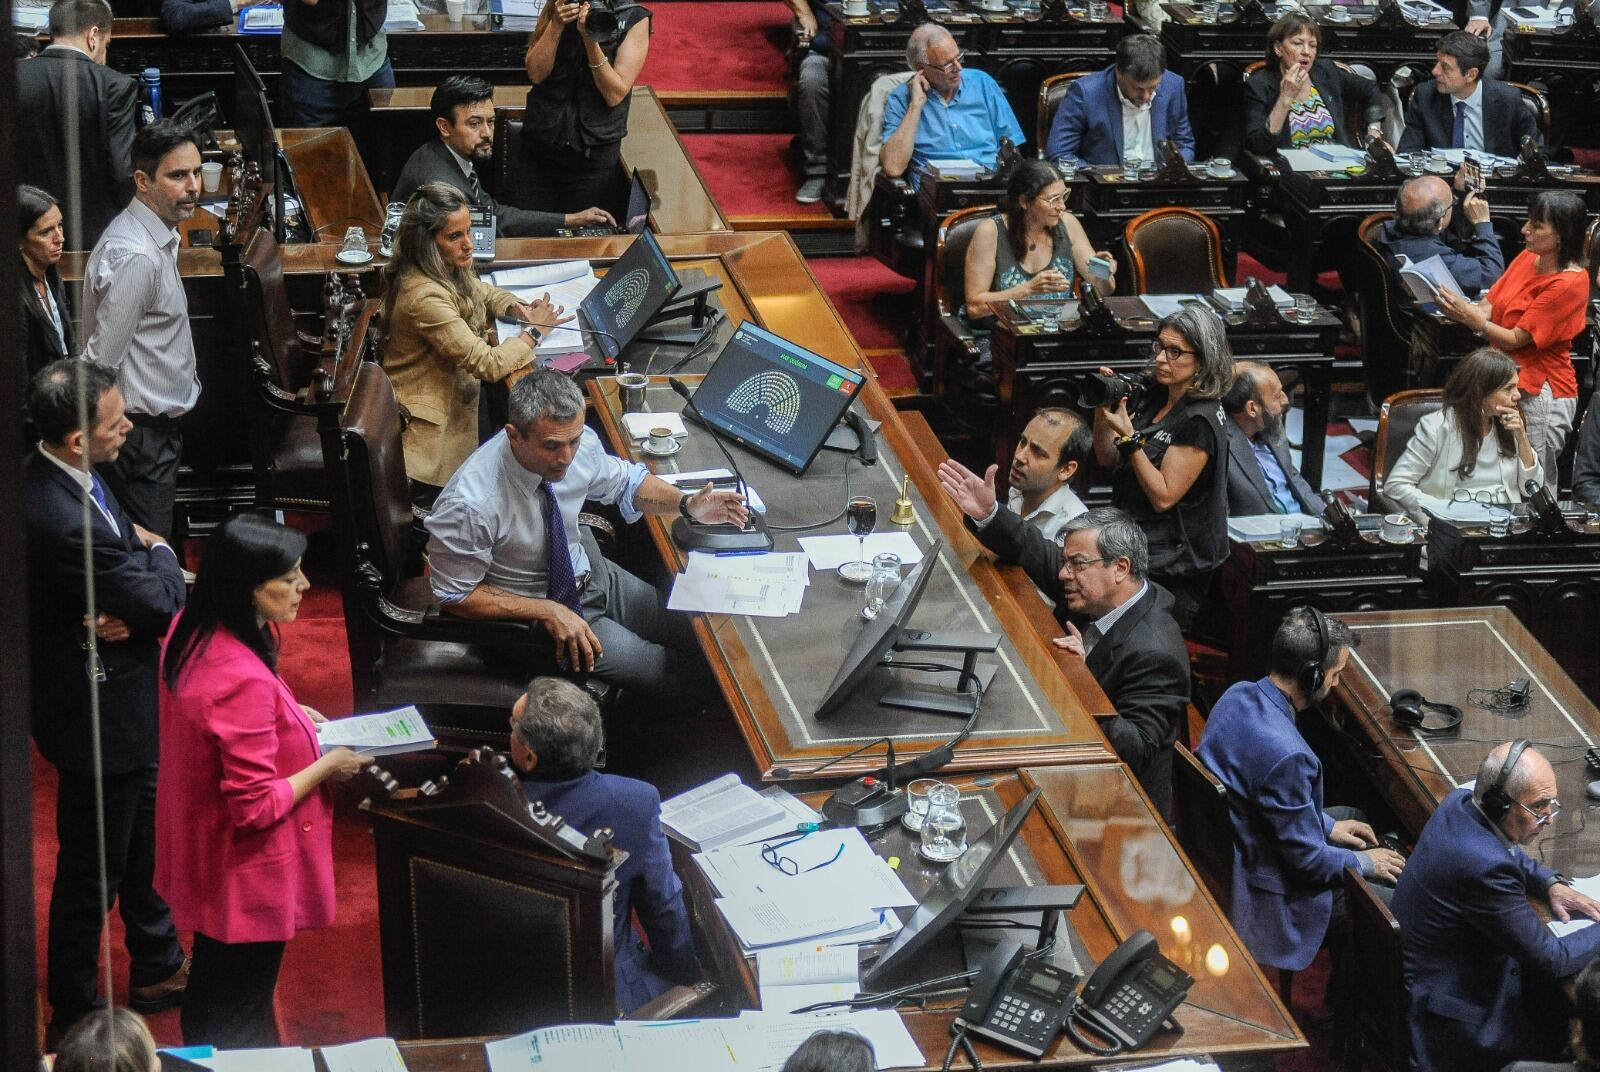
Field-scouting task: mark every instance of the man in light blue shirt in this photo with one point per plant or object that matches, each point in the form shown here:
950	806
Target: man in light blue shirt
1262	478
943	112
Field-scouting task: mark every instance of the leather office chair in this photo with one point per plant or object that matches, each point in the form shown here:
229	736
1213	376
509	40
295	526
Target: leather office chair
1374	1006
1205	829
960	371
1384	312
1397	419
1394	111
1051	93
1534	100
1174	251
507	150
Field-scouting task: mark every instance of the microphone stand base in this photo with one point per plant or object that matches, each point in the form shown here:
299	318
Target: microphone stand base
713	538
865	806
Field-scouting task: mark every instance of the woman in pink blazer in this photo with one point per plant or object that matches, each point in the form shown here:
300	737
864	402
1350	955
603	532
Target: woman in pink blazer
244	825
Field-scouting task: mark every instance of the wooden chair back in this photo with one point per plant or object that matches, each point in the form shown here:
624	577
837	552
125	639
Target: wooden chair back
1175	250
1397	419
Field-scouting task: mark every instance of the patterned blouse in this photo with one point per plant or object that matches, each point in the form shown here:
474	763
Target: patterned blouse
1310	122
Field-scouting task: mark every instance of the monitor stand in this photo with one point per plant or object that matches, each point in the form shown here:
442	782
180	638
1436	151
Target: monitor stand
973	680
691	301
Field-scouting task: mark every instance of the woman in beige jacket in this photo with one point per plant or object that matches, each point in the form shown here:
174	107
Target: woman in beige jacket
436	315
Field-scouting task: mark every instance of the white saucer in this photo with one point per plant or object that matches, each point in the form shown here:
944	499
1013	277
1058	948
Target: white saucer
1412	538
346	256
644	448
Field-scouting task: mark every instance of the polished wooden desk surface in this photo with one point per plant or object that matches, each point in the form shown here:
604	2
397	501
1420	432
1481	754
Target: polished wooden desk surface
1442	653
1093	825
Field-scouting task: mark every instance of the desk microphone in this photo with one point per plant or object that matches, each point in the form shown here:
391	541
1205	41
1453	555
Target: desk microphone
1546	511
544	333
692	535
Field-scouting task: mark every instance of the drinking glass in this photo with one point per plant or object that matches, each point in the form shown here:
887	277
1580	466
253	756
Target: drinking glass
1499	522
1305	308
881	585
860	517
1099	10
1289	532
1130	169
917	802
944	832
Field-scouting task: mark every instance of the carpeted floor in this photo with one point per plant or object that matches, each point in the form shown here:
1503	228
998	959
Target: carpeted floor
712	44
751	174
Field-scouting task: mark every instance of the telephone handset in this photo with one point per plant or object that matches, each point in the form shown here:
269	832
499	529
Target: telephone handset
1018	1004
1133	992
1339	521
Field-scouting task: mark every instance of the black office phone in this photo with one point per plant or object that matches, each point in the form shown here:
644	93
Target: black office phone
483	232
1018	1004
1131	995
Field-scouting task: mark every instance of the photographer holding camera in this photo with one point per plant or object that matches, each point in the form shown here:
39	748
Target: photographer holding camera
1166	443
583	59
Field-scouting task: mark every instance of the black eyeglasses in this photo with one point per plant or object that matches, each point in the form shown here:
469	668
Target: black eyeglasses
786	864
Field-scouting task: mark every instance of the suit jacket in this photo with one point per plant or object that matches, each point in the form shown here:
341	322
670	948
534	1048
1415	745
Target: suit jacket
433	162
1469	935
236	857
1284	870
1340	90
102	122
1586	460
1422	480
1088	125
1476	260
142	587
1431	117
1142	663
182	16
436	355
1247	486
40	344
646	883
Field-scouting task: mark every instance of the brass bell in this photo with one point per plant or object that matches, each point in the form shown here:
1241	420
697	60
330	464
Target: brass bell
904	512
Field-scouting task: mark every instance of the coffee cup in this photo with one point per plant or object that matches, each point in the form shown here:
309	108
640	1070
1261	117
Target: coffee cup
211	176
455	9
1221	167
660	441
856	8
1396	528
631	386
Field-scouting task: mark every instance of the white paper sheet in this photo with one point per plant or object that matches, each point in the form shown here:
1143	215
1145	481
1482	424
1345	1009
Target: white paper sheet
402	15
789	567
831	552
1164	305
640	424
34	19
794	976
1323	158
701	1045
567	283
707	594
721	810
764	921
695	479
400	730
273	1059
1559	928
551	1049
368	1055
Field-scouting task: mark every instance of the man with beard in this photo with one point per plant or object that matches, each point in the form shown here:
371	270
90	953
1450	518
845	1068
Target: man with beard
1050	451
1262	478
1289	852
136	320
463	113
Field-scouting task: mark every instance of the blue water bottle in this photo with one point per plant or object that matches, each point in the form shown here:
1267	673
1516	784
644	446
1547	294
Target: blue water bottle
150	96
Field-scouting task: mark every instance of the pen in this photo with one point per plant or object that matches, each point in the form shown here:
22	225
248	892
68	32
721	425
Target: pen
738	554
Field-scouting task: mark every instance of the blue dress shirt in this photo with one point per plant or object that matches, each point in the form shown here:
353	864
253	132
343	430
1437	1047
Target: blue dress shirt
970	125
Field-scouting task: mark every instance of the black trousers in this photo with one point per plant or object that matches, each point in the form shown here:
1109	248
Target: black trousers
229	1001
144	475
1191	598
76	920
565	180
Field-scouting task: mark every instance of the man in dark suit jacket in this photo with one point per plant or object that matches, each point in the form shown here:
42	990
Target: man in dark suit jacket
1469	936
1136	94
1118	620
1584	1026
1289	852
1492	117
138	588
463	113
1262	478
557	741
100	118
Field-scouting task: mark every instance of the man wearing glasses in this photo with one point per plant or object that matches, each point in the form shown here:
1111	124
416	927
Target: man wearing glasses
943	112
1469	934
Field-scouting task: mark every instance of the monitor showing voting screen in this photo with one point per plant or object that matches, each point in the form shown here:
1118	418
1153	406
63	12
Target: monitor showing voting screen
632	291
778	399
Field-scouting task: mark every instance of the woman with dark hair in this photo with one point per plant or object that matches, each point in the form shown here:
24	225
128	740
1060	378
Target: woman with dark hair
583	59
1300	99
1168	456
1533	312
45	317
1032	248
832	1051
244	823
1476	447
436	314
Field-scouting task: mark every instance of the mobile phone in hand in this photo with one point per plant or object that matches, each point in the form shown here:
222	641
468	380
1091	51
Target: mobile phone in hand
1099	267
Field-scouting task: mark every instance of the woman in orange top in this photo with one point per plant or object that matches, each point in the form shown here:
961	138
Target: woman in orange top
1532	313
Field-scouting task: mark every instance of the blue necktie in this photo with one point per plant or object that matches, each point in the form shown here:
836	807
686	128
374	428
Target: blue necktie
561	586
1458	131
97	491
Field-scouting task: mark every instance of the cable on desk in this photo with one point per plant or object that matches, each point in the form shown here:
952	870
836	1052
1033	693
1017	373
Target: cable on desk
865	1001
818	524
959	1039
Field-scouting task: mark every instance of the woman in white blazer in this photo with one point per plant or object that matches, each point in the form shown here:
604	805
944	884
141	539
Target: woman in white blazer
1476	443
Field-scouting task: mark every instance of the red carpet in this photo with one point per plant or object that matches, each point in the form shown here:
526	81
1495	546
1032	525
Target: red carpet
750	174
746	40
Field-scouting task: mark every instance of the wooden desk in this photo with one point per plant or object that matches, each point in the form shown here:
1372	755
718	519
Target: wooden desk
1036	369
1567	61
332	182
1443	653
1093	825
1383	39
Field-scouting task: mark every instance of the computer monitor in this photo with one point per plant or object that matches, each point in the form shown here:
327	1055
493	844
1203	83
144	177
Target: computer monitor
962	880
637	221
258	138
775	397
629	295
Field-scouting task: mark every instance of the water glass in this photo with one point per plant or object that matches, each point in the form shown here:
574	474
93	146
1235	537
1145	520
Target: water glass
391	224
1130	169
1066	168
881	585
1499	522
1099	11
1289	532
1210	11
917	803
355	241
1305	308
944	831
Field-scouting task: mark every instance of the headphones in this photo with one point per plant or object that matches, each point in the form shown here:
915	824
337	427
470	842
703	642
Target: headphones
1410	707
1311	676
1496	802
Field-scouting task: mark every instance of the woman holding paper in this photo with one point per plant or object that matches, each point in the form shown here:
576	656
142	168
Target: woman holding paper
244	823
436	314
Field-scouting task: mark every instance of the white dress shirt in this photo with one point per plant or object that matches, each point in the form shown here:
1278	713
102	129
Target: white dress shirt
1474	103
1059	507
1138	143
1102	625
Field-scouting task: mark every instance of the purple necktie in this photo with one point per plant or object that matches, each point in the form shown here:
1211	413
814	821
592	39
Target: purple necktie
1458	131
561	586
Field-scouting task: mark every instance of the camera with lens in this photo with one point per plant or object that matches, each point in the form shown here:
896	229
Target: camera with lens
1097	389
603	16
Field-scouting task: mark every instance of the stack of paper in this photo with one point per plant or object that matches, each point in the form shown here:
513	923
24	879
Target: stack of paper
768	585
640	425
1162	306
956	168
368	1055
711	815
30	16
1329	157
1262	528
402	15
795	976
275	1059
1427	277
567	283
263	18
386	733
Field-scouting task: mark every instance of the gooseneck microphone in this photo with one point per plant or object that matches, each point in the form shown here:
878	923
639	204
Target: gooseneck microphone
784	773
694	536
544	332
1546	511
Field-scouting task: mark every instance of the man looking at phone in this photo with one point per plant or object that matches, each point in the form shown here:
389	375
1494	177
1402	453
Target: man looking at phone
1422	214
1462	108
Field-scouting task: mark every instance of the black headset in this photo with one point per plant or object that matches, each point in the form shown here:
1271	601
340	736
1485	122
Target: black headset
1496	802
1410	707
1311	675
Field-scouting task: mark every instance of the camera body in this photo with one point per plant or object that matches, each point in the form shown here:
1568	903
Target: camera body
603	17
1097	389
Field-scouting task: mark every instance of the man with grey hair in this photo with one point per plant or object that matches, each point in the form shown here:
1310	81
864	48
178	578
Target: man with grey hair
1469	936
1422	214
943	112
557	742
1124	112
517	497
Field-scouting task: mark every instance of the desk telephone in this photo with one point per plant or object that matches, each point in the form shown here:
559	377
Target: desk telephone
483	231
1128	999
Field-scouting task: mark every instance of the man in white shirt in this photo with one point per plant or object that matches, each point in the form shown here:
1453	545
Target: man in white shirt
1122	113
1050	451
136	320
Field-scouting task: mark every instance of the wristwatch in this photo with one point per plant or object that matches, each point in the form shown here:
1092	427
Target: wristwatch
1129	443
683	508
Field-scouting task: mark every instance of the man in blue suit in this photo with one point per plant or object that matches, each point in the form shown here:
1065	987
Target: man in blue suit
1289	852
1123	112
1467	930
557	741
